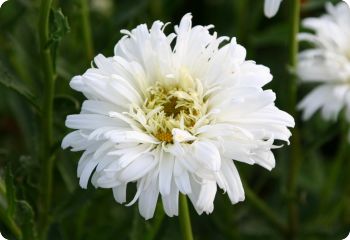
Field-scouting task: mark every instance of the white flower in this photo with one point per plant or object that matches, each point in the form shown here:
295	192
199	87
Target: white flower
271	7
328	63
170	112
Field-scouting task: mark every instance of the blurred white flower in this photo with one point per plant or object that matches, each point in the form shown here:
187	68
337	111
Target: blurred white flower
2	2
170	112
328	63
347	2
271	7
104	7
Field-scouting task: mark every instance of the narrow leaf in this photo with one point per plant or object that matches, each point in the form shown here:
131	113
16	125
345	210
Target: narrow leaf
11	82
25	218
10	192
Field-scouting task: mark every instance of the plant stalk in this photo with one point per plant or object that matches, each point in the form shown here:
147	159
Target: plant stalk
295	156
86	27
185	221
47	119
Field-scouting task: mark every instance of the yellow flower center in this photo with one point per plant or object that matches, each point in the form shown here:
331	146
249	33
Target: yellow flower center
164	137
170	108
178	105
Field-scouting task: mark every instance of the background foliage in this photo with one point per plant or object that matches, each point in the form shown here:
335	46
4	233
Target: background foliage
323	184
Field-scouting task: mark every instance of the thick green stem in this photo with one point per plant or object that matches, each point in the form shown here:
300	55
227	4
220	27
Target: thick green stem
264	209
185	220
86	27
295	156
47	119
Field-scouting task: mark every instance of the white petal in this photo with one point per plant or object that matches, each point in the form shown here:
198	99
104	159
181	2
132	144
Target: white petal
194	195
165	172
207	154
138	168
140	188
265	159
119	193
271	7
125	136
91	121
184	154
314	100
148	200
171	201
131	154
71	138
99	107
182	136
206	196
181	178
106	181
183	183
234	186
86	171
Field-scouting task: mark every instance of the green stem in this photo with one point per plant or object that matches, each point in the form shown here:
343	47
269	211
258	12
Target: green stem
264	209
86	27
156	224
47	119
241	16
185	220
295	159
157	8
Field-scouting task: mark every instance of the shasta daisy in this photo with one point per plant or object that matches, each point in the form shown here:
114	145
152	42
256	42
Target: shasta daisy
327	63
173	113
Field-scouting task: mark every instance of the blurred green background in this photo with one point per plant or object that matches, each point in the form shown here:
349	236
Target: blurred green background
323	185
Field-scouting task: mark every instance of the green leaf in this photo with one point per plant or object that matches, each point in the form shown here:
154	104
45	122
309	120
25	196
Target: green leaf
10	192
8	227
11	82
75	201
68	174
25	218
8	207
66	101
59	27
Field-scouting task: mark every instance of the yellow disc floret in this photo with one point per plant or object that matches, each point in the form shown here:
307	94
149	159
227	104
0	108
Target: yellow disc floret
178	105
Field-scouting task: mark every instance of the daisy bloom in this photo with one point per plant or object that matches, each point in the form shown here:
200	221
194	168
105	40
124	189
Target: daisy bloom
271	7
172	113
327	63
